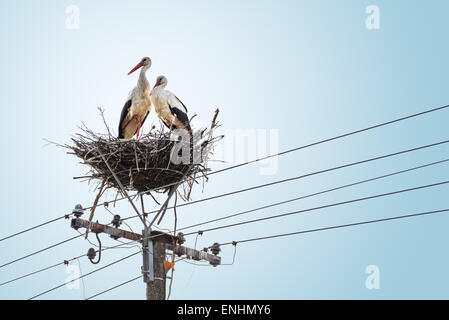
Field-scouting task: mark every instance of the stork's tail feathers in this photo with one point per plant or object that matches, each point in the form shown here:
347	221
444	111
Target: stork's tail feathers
191	145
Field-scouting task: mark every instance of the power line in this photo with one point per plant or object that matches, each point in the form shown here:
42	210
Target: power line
32	273
331	139
39	251
304	176
315	208
35	227
85	275
121	245
321	207
335	227
314	194
295	233
287	151
114	287
258	239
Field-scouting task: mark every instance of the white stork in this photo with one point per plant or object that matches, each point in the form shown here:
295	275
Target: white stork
168	107
138	104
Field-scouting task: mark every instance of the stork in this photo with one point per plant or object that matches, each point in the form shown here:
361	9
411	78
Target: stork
138	104
168	107
173	114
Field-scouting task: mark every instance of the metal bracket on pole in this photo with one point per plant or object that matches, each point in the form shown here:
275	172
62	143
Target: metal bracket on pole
148	256
164	206
171	192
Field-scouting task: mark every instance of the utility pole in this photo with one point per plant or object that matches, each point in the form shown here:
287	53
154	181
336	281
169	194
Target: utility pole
154	247
156	288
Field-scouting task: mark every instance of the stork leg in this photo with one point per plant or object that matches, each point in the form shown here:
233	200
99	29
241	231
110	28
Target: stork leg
139	122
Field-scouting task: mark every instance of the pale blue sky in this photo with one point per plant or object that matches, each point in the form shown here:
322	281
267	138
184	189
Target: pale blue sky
309	69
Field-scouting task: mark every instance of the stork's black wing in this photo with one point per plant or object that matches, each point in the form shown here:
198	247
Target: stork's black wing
181	103
122	118
181	115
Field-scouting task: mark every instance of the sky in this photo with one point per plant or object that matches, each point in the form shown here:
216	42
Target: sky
301	71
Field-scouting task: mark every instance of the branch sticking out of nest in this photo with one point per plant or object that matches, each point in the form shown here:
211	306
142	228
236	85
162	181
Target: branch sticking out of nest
144	165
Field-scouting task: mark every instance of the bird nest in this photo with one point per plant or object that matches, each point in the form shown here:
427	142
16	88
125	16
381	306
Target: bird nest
143	165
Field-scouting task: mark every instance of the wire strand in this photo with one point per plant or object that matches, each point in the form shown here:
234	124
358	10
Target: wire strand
115	287
121	245
321	207
314	208
85	275
31	273
39	251
331	139
335	227
314	194
35	227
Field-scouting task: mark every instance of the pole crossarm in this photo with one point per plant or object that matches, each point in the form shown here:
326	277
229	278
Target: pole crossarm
96	227
154	246
157	236
194	254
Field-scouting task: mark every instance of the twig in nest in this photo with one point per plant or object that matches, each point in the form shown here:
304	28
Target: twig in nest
122	188
104	121
92	211
155	200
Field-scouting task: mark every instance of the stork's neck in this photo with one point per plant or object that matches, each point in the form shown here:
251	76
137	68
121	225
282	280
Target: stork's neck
158	89
142	84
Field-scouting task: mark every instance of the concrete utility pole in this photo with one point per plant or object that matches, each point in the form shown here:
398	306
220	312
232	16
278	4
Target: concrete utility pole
154	246
156	288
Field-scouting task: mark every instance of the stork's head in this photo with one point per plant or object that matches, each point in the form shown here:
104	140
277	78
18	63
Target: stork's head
145	63
161	81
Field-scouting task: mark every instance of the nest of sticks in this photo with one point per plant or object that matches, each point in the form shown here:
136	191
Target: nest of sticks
142	165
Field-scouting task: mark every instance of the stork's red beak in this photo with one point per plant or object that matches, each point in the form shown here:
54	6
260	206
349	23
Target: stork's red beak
139	65
156	84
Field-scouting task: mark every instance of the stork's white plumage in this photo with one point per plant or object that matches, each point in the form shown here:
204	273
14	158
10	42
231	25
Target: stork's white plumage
138	104
168	107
